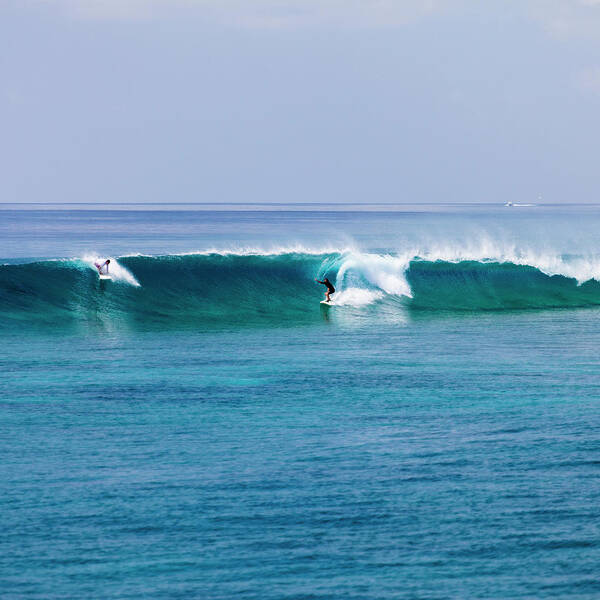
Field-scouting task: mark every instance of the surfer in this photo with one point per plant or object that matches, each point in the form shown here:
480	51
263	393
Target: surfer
103	268
330	288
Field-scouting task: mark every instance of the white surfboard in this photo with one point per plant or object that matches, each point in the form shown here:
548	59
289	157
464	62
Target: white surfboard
105	277
326	303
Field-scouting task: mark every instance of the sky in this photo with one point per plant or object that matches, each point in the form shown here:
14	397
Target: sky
370	101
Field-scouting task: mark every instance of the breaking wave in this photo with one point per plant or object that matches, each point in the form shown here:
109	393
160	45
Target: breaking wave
207	289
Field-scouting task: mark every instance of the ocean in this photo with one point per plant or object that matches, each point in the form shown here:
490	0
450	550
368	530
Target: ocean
202	427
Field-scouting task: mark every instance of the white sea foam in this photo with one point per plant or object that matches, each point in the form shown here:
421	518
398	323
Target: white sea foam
384	272
581	268
356	297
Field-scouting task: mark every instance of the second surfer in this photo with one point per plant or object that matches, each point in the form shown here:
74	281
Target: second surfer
102	268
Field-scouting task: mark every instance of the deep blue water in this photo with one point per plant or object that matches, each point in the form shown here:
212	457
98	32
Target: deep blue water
200	427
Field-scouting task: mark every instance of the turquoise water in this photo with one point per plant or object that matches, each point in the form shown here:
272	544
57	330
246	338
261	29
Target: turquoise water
200	427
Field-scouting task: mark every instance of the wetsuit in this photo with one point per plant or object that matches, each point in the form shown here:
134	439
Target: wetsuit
329	285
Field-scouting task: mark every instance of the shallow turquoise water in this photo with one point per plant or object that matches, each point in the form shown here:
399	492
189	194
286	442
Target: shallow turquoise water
383	451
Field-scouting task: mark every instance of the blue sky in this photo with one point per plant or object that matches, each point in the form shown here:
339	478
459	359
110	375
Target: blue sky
299	101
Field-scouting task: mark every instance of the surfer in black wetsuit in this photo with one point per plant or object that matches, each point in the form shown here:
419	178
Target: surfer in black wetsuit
330	288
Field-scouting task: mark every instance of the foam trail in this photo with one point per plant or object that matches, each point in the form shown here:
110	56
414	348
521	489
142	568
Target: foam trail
356	297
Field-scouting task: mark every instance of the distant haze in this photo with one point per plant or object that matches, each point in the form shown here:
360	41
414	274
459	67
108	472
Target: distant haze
299	101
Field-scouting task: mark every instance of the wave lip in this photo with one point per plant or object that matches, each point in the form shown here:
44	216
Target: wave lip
475	285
